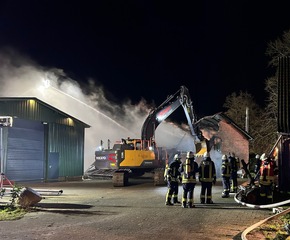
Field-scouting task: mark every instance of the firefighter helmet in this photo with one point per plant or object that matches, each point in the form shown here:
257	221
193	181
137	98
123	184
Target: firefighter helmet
177	157
206	155
263	157
224	157
190	154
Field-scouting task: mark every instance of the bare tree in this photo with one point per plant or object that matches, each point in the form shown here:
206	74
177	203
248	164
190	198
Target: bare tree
279	48
270	114
236	105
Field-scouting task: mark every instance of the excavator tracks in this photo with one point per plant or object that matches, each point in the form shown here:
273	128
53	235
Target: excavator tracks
99	174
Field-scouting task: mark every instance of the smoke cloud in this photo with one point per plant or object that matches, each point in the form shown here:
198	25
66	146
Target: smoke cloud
86	101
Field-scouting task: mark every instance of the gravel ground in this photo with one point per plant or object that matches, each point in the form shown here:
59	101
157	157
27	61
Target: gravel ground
94	209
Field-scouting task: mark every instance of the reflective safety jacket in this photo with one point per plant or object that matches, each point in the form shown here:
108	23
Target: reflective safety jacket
189	170
235	163
267	172
226	168
173	171
207	170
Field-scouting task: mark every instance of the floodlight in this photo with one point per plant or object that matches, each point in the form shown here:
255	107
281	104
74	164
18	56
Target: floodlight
6	121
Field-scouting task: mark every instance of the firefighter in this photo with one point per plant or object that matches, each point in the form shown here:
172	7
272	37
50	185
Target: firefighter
189	170
207	177
173	176
235	166
267	173
226	174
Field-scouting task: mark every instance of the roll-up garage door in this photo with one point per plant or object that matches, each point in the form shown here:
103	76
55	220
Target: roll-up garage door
25	151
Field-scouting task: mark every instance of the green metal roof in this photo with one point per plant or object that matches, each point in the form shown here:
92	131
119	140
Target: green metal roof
7	99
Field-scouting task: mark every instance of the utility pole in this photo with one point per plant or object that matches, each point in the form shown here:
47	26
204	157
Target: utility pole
247	120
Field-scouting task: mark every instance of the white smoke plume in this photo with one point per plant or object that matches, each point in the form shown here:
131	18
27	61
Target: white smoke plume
22	77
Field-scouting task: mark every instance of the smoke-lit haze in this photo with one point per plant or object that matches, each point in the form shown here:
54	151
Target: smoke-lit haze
21	77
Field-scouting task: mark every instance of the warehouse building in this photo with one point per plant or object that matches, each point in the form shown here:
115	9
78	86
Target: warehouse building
39	142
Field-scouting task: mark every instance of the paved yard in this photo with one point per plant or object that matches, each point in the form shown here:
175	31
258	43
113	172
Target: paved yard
94	209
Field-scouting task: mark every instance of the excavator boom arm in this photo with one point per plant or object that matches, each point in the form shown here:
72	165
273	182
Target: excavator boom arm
159	114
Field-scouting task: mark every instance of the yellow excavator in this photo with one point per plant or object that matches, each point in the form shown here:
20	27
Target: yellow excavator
134	157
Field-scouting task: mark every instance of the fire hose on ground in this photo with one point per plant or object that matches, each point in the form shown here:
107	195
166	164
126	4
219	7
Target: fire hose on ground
276	209
262	206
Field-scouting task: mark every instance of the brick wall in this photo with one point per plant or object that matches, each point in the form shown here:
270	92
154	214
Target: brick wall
233	141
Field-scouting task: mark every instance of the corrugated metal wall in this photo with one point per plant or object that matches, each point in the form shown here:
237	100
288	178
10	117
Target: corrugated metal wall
69	143
284	95
284	122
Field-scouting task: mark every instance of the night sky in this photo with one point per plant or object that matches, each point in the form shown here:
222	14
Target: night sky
148	49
